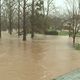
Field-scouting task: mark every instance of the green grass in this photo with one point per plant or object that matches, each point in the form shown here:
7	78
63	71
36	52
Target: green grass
78	34
64	33
51	32
77	46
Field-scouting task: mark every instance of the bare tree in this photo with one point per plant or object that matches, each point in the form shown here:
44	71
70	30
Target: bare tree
18	18
49	3
11	4
32	20
0	18
75	21
24	22
49	6
74	17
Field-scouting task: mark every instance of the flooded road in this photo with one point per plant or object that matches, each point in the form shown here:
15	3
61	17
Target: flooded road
43	58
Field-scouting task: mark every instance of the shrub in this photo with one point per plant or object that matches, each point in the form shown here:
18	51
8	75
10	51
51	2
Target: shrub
51	33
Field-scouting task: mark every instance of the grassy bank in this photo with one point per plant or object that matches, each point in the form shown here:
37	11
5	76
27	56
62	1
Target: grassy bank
77	46
63	33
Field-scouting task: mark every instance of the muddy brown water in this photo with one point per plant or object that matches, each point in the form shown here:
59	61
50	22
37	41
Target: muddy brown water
43	58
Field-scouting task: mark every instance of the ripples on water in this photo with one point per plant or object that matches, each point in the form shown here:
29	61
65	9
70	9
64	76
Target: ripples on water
42	58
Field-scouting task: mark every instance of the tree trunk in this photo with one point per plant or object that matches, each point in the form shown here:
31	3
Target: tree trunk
32	26
48	5
18	18
0	18
73	39
10	24
69	31
10	18
24	26
73	26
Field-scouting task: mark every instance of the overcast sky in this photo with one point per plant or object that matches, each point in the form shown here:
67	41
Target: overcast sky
61	4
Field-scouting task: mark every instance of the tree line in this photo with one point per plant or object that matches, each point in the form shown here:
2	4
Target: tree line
73	17
34	16
24	16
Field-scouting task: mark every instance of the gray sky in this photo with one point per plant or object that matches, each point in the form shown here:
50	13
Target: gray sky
61	4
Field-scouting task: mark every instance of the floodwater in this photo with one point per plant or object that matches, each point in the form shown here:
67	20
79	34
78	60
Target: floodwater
42	58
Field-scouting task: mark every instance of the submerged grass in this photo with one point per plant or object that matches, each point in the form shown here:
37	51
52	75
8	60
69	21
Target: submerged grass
77	46
64	33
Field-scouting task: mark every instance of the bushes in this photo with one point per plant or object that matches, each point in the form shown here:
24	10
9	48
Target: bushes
51	32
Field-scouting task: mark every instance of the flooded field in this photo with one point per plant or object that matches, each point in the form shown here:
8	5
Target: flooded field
42	58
